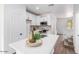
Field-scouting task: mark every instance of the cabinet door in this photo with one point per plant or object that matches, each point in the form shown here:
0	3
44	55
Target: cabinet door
38	20
48	19
45	18
31	17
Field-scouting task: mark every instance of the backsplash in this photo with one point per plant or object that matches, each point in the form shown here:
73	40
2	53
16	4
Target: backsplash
42	29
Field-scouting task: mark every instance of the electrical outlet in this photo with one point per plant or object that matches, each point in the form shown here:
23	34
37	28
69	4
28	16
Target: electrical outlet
19	36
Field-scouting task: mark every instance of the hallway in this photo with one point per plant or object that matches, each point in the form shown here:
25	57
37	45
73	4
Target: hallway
61	49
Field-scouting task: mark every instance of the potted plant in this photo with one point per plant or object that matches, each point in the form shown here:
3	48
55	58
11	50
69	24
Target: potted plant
35	36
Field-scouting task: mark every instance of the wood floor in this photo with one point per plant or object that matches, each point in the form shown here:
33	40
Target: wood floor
60	49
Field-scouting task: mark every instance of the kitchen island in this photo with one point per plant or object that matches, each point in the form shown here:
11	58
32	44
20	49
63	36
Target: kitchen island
47	46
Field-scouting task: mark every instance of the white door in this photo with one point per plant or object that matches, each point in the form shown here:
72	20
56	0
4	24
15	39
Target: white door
76	39
1	28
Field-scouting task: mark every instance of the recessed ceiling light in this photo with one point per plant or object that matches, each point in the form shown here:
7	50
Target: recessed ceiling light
37	8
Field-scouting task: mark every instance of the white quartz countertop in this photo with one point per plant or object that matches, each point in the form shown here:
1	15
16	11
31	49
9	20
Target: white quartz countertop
45	48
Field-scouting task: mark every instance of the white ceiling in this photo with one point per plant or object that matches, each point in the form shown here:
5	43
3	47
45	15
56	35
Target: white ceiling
76	8
57	9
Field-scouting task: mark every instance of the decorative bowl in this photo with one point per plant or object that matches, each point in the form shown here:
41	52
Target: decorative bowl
36	44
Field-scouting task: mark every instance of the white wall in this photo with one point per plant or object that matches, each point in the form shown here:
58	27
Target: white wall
64	11
15	23
62	18
76	38
1	28
62	27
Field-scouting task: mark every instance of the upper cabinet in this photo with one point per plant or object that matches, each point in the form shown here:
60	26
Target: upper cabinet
35	20
31	17
43	18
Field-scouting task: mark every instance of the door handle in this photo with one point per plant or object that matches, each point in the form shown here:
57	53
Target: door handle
77	35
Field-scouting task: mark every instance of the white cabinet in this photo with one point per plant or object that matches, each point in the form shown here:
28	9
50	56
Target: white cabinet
43	18
47	18
38	20
33	20
31	17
